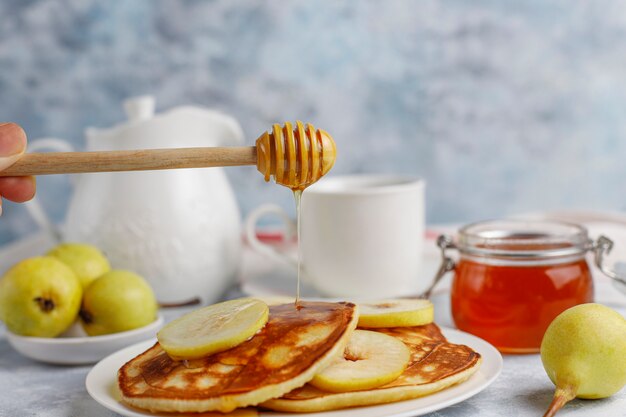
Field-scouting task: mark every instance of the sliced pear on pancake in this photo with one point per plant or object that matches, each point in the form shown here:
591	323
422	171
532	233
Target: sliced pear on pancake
213	329
396	313
370	360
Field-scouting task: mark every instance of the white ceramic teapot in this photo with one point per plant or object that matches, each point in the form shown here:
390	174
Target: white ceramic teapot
180	229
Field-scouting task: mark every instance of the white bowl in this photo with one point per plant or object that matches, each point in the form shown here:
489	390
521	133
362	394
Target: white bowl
80	350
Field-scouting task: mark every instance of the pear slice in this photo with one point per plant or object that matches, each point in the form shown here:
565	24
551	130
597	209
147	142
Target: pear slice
396	313
370	360
213	329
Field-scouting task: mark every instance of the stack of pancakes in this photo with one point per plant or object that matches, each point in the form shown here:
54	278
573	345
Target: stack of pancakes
271	370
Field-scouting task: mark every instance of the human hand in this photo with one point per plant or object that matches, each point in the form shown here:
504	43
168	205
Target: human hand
12	146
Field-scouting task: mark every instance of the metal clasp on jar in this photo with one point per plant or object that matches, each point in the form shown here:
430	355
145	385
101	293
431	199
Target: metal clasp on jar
447	264
601	247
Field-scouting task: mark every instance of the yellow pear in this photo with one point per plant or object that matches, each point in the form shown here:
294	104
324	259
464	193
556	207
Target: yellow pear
39	297
584	353
117	301
87	261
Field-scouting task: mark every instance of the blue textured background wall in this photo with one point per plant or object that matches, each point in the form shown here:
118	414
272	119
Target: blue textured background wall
503	107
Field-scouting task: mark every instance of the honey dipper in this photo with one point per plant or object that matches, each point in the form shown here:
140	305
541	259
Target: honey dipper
296	157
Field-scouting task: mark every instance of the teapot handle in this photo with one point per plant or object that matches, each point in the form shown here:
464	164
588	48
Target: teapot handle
33	206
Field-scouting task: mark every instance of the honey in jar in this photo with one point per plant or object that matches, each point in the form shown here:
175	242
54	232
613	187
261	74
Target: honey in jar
514	277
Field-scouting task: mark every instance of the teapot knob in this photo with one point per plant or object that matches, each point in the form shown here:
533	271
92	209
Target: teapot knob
139	108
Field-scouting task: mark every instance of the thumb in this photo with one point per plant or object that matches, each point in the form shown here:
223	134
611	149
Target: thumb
12	144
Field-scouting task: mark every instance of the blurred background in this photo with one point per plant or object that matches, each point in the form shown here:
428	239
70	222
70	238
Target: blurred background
503	107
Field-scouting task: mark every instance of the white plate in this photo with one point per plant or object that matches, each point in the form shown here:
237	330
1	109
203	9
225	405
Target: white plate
101	384
80	350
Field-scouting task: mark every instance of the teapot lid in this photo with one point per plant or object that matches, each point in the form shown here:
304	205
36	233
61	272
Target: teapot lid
139	108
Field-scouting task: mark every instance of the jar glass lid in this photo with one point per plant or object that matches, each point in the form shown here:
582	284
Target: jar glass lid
523	239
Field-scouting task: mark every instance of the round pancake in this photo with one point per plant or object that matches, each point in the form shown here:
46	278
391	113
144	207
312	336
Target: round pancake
291	348
435	364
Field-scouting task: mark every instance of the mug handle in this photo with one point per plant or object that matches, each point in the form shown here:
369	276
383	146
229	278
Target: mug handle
263	248
33	206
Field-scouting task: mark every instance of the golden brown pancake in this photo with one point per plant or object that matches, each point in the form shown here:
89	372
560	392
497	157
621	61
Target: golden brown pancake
292	347
435	364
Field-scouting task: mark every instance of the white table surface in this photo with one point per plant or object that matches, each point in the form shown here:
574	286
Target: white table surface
29	388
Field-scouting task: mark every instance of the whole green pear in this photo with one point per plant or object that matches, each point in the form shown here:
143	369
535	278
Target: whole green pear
87	261
117	301
39	297
584	353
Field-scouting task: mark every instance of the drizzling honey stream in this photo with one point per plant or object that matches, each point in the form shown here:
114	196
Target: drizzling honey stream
296	158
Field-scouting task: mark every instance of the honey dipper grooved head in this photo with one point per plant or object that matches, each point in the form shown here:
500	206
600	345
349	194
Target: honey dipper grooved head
296	157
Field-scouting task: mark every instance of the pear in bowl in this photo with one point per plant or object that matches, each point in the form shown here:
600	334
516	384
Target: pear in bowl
115	302
39	297
87	261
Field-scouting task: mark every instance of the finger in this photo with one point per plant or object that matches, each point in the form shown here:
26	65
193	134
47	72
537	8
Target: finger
18	189
12	144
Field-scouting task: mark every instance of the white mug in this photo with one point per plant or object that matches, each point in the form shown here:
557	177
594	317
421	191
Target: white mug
361	237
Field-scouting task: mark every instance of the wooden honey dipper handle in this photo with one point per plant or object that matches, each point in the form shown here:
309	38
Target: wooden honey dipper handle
131	160
296	156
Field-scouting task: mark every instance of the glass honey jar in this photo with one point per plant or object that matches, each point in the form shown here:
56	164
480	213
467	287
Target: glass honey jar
514	277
